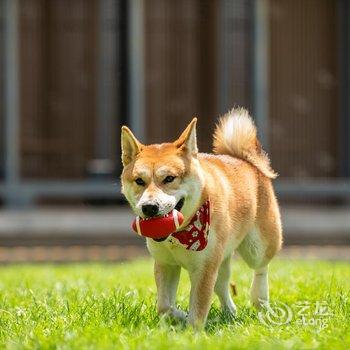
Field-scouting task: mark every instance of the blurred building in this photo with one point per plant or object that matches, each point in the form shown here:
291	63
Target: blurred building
73	71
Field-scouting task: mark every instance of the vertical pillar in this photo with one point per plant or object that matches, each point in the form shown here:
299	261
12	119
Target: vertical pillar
261	69
12	101
136	68
344	86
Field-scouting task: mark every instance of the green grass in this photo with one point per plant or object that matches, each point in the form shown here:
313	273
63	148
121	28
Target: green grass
112	306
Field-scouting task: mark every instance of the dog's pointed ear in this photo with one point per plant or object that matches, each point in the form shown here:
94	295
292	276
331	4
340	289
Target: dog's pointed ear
130	146
187	142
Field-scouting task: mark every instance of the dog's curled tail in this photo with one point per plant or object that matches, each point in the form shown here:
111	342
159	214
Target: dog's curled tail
235	134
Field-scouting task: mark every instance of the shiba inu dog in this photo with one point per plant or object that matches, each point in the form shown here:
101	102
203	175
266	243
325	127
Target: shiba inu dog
228	204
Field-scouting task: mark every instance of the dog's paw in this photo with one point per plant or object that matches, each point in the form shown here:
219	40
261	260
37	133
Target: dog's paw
178	314
174	313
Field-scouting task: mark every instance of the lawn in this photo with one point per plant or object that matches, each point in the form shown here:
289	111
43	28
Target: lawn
112	306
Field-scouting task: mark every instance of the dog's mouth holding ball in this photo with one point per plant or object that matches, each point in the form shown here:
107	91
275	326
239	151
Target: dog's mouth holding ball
178	207
160	227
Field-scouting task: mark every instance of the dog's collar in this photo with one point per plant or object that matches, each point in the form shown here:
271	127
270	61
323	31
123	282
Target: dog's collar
195	235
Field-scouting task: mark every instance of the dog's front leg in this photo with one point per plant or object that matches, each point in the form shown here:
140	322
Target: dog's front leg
167	280
202	288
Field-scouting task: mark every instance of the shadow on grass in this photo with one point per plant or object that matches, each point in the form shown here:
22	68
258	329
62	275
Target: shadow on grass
217	319
126	308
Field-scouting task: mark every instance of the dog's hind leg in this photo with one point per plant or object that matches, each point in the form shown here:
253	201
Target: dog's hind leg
253	251
259	292
167	280
268	240
222	287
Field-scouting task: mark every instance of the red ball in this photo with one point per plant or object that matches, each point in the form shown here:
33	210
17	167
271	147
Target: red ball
158	227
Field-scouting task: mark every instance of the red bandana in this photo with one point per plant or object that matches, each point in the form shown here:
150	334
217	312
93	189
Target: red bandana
195	235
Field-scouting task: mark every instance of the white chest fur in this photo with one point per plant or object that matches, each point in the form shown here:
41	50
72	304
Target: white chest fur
172	254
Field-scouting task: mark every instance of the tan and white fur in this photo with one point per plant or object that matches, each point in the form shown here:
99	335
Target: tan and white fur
244	211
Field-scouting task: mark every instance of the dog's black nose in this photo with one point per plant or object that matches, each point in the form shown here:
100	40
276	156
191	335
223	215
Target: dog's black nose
150	209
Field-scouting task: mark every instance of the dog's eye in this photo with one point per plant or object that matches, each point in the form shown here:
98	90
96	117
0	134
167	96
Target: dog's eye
140	182
168	179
